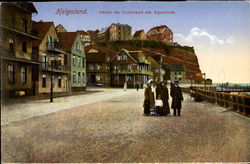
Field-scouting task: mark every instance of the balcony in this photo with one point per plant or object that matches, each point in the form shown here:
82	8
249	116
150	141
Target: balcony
54	47
56	68
12	54
132	72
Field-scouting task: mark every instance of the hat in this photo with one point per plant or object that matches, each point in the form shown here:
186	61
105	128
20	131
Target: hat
150	81
176	82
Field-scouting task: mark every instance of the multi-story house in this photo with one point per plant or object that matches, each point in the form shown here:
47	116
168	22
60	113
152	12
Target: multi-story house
140	35
156	67
98	67
160	33
131	67
115	32
54	70
177	72
72	44
85	37
18	60
60	28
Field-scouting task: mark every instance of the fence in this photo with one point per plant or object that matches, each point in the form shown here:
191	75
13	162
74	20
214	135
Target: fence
236	103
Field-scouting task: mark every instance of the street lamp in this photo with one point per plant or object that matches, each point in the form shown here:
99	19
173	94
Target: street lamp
51	78
191	78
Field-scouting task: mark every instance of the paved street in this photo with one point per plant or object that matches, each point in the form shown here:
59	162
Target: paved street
109	126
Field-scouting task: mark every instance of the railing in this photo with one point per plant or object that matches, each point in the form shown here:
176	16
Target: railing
236	103
11	53
133	72
53	45
60	68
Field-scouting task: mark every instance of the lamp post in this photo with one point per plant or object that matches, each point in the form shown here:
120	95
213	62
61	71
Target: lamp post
51	78
191	78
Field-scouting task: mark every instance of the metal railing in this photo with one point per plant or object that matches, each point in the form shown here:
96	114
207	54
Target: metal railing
53	45
55	67
132	72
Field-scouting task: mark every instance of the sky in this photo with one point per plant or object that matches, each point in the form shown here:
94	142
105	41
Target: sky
218	31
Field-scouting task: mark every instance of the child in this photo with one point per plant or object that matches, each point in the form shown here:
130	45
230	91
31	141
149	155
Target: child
158	106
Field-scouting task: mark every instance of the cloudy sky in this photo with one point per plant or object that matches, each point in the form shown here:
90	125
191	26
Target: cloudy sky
218	31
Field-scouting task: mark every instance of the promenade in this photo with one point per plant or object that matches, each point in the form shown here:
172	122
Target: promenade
109	126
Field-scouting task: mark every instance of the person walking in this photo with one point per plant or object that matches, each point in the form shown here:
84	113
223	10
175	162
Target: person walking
137	86
125	86
177	98
149	100
162	91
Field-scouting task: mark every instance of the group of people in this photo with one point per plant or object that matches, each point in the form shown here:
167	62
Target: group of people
160	106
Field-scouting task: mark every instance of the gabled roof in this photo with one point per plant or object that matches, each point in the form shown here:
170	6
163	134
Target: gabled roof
67	39
61	26
96	58
159	28
154	63
103	30
137	33
28	6
81	32
41	28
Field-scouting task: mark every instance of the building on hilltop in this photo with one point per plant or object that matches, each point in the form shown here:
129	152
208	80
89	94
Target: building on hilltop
54	60
115	32
60	28
160	33
73	45
140	35
18	58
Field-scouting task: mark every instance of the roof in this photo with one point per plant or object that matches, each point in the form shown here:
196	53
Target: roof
137	33
28	6
176	67
81	32
118	24
103	30
67	39
154	64
60	25
159	28
95	50
41	29
96	58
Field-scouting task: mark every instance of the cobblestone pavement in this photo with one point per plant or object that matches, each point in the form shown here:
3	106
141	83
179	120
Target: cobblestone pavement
114	130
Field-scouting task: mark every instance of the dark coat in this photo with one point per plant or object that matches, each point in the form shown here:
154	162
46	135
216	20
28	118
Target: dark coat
163	92
149	100
177	97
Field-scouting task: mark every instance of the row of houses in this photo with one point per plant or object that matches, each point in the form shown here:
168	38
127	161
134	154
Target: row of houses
106	68
37	57
124	32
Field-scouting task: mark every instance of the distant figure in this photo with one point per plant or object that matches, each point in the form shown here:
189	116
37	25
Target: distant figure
177	98
137	86
149	100
125	86
162	91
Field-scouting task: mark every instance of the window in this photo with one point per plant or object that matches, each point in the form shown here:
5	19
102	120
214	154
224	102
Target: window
98	66
24	25
116	77
74	60
24	47
79	62
91	67
74	76
118	57
11	45
98	78
59	61
128	78
129	67
83	63
79	77
44	81
43	60
83	78
179	73
59	82
175	73
78	46
23	75
11	75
